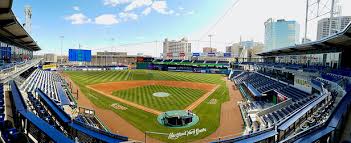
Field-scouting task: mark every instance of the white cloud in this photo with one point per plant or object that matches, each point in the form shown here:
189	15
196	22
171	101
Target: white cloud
126	16
76	8
181	8
161	7
147	11
190	12
114	3
78	18
138	3
106	19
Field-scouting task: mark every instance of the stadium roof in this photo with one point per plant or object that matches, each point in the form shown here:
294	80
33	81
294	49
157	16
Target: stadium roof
11	30
334	43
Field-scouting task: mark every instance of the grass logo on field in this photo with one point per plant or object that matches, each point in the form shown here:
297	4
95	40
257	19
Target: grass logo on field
191	132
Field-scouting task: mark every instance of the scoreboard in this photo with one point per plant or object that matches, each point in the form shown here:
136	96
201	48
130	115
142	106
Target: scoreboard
79	55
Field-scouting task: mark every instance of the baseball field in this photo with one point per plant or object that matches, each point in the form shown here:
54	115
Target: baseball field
133	95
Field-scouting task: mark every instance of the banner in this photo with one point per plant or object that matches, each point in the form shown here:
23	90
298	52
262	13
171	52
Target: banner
211	54
196	54
227	54
51	67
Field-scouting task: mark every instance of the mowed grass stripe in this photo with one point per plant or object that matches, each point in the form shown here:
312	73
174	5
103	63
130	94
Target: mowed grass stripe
179	99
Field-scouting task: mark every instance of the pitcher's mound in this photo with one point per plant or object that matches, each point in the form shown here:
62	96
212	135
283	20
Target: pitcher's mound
161	94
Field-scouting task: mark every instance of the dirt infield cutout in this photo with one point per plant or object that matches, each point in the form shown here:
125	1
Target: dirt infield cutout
106	89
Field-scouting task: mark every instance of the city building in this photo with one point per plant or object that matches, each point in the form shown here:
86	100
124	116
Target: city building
209	50
176	49
111	53
338	24
240	49
52	58
281	33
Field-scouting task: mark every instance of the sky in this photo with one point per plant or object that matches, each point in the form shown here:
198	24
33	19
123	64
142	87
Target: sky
140	26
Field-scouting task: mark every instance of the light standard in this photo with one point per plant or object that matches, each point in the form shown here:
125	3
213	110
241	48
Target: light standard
61	37
210	40
112	47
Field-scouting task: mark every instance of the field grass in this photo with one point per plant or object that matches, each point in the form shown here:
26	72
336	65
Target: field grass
209	114
179	98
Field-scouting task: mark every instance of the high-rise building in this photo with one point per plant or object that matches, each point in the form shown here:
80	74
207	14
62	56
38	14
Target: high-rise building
209	50
50	58
177	49
280	33
237	49
338	24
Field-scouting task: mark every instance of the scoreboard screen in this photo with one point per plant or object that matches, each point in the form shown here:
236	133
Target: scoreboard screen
79	55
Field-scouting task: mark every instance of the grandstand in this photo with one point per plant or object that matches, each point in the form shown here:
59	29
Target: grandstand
293	96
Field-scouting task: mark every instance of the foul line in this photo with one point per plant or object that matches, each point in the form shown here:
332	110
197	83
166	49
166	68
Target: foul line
201	99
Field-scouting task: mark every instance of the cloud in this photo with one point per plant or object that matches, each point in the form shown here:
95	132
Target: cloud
161	7
114	3
138	3
190	12
147	11
78	18
106	19
128	16
76	8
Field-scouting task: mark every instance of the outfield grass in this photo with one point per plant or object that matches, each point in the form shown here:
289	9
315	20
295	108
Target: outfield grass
209	114
179	98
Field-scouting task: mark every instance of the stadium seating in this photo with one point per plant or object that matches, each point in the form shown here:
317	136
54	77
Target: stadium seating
86	132
177	61
263	84
47	82
331	77
210	62
199	61
186	61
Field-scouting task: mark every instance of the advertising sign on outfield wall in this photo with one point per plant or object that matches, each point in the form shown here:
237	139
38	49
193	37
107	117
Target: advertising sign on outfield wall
196	54
211	54
49	67
227	54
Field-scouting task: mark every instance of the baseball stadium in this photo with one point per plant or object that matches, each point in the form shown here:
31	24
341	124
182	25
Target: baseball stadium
298	93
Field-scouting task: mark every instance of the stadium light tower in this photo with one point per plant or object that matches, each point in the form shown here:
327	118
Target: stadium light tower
28	18
61	37
210	40
320	8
